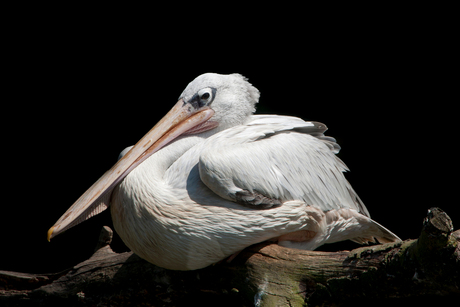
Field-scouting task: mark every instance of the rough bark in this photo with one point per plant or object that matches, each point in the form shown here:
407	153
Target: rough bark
261	275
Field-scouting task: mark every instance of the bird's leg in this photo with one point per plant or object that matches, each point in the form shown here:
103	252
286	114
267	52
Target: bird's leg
229	259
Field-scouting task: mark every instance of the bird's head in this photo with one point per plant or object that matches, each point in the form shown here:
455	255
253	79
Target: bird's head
210	102
231	97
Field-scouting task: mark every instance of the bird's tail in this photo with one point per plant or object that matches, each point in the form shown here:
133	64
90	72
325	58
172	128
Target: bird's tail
341	225
377	234
351	225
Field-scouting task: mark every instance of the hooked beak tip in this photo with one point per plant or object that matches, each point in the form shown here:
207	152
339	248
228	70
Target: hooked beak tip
50	233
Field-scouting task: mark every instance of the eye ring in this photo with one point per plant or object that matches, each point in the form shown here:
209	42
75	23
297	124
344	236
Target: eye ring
205	96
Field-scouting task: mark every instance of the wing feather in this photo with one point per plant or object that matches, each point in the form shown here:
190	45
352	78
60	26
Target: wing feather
274	159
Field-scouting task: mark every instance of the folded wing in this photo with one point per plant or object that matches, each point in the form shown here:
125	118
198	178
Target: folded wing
274	159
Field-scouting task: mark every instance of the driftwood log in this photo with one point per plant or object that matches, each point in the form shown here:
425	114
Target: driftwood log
426	269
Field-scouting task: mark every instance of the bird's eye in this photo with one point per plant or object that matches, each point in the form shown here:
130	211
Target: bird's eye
205	96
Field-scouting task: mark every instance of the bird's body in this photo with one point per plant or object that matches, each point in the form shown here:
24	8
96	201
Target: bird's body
175	193
231	181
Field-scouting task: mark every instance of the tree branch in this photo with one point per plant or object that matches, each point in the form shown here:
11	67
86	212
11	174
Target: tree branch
261	275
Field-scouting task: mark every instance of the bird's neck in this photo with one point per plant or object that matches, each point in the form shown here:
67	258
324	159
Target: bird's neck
150	175
154	168
144	187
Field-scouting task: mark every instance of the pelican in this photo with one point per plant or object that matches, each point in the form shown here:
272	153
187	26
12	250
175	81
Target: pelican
210	178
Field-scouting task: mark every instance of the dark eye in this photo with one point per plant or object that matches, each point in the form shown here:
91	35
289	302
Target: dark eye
205	96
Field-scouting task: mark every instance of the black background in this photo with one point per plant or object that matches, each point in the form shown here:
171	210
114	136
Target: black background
79	89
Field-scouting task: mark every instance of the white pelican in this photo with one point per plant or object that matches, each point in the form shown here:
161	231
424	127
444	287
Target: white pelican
211	179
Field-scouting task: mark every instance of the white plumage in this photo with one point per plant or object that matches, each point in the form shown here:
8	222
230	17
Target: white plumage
234	180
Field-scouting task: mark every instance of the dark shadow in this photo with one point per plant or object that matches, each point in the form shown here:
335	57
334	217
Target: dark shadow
140	281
